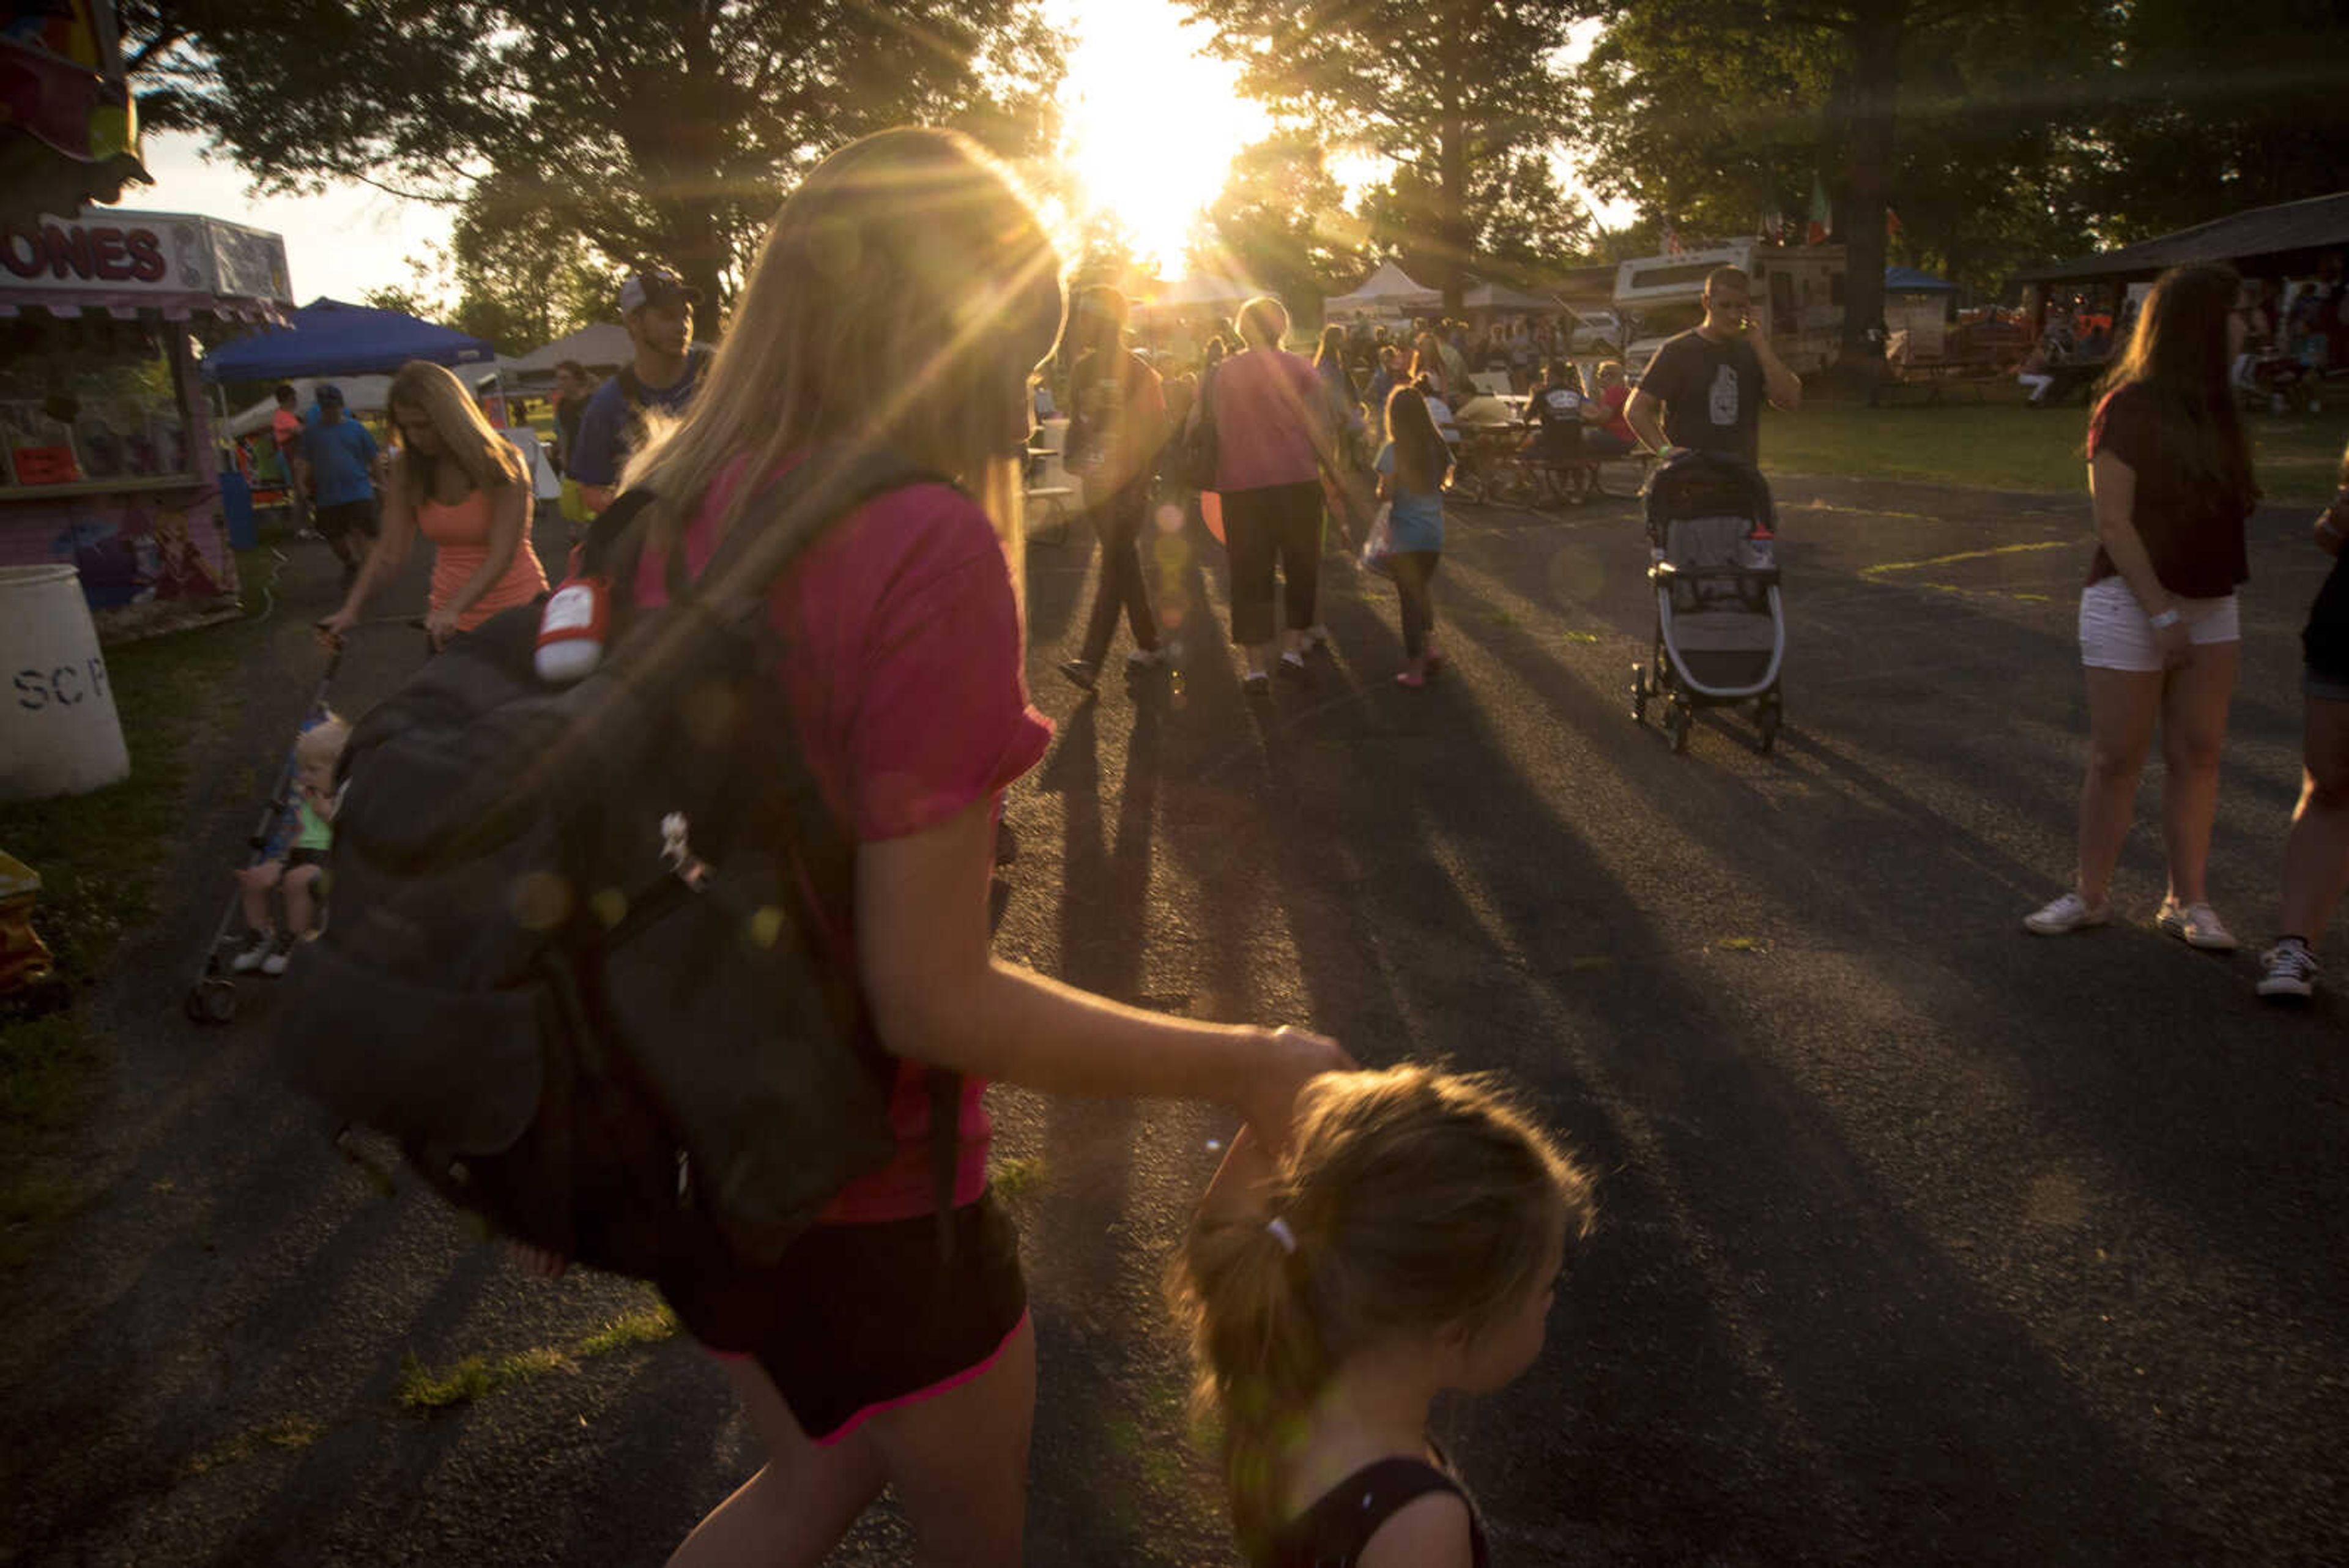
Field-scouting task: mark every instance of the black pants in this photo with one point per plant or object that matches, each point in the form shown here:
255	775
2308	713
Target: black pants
1275	526
1415	580
1120	521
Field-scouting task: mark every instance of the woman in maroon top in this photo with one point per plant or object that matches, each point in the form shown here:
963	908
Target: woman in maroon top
870	1356
2170	473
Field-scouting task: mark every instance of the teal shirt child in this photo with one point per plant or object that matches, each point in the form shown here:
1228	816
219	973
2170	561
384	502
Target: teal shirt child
1418	520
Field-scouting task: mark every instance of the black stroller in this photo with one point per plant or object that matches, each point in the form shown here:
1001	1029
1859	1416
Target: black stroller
1719	634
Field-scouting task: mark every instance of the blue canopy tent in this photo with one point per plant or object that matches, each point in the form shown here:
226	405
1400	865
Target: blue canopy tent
328	337
1908	280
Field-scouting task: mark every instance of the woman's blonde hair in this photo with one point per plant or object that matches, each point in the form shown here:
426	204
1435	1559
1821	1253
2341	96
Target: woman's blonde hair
1262	322
1419	1202
467	437
902	300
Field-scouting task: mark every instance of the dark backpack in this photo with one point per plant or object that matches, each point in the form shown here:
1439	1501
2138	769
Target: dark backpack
590	960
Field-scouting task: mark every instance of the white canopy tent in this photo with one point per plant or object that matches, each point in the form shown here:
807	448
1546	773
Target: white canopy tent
361	395
1388	291
603	347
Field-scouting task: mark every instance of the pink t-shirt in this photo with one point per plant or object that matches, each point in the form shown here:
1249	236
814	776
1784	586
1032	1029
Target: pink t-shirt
1264	402
904	678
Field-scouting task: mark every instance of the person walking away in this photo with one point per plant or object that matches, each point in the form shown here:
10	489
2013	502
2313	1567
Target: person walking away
658	310
1345	487
1272	440
1116	428
572	389
1705	387
2170	471
1413	468
869	1355
467	490
1409	1241
285	437
1383	380
2316	853
340	456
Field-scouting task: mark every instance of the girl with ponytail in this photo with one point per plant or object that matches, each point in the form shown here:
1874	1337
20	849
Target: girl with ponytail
1408	1241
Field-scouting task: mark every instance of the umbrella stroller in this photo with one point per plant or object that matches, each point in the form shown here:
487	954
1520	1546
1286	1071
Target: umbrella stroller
1719	634
212	998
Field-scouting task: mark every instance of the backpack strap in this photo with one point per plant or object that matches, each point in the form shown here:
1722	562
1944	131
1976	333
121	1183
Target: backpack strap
732	590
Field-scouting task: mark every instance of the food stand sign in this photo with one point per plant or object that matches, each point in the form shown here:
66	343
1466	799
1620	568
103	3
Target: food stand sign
159	253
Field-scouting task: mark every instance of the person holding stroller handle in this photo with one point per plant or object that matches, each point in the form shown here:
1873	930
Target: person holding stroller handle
2169	470
1704	387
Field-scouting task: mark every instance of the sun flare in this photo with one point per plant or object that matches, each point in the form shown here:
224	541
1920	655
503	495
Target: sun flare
1149	126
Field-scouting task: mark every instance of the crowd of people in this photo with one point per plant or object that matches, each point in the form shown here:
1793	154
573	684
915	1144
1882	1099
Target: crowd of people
1372	1239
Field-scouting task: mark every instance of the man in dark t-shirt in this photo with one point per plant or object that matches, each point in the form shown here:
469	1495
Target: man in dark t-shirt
1704	387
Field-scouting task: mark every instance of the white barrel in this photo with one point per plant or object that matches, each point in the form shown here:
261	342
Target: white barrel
59	734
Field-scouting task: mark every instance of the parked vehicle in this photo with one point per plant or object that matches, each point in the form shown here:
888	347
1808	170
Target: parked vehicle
1798	298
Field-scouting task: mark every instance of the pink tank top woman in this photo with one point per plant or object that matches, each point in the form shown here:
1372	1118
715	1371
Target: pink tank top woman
460	542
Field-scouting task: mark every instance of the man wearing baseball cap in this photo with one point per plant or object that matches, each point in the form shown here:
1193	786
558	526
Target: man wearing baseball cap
340	456
657	309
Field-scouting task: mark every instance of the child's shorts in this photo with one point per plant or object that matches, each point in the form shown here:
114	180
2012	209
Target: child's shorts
857	1319
2117	634
294	857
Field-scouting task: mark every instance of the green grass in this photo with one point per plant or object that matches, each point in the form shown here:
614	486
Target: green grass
423	1389
2002	445
99	856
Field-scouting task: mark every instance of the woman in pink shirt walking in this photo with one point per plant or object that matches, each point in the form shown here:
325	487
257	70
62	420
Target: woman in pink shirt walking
1272	438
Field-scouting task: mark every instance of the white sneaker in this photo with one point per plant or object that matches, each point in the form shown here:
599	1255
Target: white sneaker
1142	658
2291	969
2196	925
280	954
2068	913
250	952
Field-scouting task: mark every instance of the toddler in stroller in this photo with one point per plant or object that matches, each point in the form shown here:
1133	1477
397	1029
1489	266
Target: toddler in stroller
1719	634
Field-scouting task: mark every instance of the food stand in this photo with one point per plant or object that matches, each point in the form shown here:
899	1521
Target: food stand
106	454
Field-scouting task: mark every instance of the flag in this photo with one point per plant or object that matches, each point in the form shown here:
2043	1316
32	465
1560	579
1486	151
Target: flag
1822	215
1891	224
1673	246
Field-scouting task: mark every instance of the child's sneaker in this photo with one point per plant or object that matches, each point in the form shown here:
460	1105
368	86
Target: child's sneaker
280	953
2196	925
250	953
2291	970
1143	661
2068	913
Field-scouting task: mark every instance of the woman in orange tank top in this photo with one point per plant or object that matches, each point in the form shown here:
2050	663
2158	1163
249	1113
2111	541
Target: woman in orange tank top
464	487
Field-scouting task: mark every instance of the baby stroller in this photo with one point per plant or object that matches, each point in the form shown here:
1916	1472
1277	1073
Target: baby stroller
1719	634
212	998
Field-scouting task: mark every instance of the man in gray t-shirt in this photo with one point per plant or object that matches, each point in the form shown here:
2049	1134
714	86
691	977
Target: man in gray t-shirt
1704	387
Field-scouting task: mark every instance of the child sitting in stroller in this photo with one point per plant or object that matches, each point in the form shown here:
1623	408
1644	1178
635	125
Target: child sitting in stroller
296	856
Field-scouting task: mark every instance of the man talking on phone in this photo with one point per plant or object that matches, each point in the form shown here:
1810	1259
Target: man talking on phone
1704	387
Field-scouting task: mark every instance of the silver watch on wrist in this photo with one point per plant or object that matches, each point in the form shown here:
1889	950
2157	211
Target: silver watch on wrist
2167	619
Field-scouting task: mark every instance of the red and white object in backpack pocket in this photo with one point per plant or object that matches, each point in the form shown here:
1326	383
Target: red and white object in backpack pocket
571	631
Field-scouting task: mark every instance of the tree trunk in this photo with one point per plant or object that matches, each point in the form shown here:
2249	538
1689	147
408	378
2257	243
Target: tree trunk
1451	164
1876	35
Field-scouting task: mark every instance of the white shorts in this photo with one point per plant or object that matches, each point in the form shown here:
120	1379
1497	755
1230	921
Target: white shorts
2117	634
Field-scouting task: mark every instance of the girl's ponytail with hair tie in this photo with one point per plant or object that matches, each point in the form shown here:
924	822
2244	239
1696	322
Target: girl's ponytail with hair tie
1281	1233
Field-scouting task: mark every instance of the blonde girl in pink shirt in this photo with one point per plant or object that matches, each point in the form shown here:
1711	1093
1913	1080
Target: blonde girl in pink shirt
869	1356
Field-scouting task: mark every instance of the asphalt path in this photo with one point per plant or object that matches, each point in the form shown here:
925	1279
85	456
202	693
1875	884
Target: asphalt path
1922	1241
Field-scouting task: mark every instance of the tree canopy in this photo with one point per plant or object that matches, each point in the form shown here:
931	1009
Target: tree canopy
1454	94
642	131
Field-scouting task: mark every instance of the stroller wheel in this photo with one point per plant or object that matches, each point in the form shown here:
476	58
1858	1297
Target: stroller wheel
211	1002
1767	720
1638	694
1677	723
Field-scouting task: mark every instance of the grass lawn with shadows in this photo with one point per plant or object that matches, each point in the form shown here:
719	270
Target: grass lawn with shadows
2002	445
99	856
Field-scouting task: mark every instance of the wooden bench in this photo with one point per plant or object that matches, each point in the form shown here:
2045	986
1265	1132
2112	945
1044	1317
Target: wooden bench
1048	513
